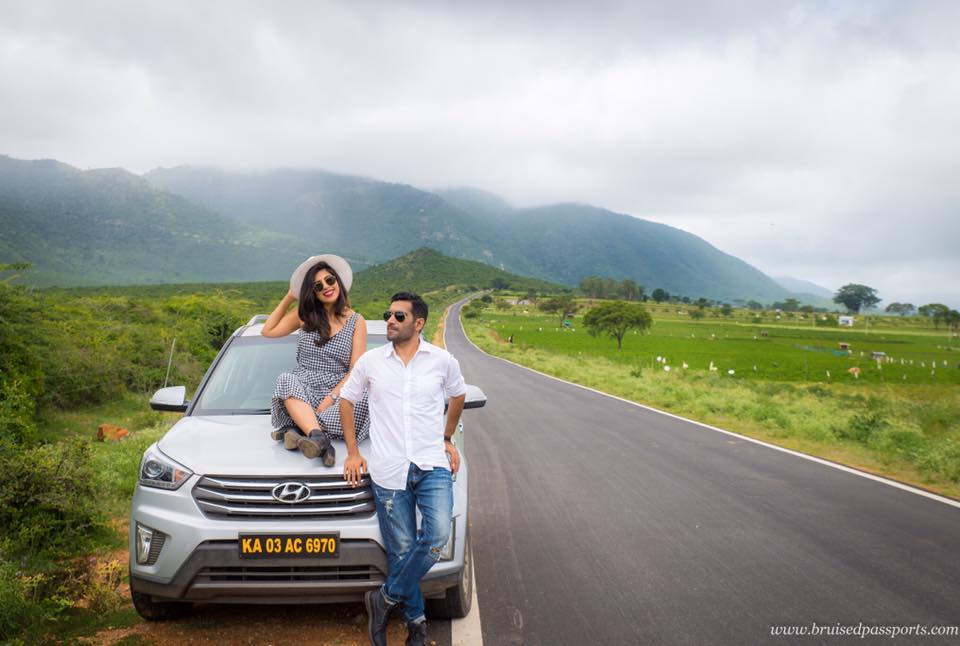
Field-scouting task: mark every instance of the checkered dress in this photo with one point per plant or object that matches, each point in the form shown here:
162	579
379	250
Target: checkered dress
319	369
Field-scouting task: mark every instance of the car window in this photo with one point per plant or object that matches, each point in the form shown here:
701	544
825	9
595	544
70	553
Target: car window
244	378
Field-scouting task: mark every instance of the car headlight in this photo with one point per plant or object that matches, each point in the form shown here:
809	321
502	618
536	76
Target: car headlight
157	470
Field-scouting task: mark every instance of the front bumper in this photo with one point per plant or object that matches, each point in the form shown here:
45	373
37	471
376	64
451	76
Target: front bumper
215	573
199	558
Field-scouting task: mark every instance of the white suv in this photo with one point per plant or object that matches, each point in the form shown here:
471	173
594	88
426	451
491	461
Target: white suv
223	514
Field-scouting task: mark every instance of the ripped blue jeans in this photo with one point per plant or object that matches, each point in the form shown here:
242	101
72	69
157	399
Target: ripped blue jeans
409	556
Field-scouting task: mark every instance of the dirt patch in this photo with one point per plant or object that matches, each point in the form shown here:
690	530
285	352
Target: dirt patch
340	624
438	335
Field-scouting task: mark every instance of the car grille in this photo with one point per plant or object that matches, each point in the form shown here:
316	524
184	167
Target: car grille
244	497
300	573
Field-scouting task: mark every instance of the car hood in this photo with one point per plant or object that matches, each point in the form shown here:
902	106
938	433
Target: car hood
240	445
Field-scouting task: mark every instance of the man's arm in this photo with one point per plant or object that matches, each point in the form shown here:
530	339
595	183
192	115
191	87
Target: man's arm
455	389
454	409
355	465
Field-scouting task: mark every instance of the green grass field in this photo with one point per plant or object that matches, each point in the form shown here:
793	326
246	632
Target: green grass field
774	351
790	386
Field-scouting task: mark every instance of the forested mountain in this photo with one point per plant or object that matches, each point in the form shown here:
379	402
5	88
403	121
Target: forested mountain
564	242
190	224
110	226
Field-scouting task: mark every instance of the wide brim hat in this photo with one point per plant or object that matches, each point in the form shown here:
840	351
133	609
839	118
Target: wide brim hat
341	266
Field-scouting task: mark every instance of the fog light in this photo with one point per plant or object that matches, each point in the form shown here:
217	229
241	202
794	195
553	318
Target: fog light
144	541
447	553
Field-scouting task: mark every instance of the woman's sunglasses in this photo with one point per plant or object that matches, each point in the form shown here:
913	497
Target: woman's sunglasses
399	315
329	280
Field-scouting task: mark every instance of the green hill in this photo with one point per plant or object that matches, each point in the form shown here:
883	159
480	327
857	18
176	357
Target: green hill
110	226
562	243
191	224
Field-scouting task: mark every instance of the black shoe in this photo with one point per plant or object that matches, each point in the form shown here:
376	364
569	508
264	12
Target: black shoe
317	445
378	615
291	436
278	434
417	634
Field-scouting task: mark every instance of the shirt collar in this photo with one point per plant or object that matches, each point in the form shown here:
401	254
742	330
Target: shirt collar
425	346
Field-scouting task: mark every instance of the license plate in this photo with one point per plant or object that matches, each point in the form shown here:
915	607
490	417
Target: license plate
254	546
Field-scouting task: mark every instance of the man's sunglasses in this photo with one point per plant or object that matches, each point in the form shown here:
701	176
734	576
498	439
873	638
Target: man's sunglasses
329	280
400	315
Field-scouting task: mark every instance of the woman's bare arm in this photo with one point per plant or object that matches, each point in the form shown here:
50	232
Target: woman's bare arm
282	322
359	347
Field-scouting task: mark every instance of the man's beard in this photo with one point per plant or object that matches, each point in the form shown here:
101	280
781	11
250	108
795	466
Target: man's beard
401	335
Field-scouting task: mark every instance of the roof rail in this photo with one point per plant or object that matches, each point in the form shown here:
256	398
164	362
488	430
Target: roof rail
258	318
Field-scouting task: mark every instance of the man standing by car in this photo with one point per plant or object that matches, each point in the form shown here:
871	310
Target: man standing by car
412	458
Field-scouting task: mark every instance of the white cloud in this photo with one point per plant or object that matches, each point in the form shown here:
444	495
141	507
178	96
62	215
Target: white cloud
807	138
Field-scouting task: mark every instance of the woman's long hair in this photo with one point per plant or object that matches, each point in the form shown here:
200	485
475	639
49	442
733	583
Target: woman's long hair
311	310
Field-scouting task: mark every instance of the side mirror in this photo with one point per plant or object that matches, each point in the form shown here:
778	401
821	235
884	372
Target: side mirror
475	398
172	399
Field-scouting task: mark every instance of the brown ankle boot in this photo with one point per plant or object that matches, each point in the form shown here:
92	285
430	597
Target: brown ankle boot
317	445
278	434
291	438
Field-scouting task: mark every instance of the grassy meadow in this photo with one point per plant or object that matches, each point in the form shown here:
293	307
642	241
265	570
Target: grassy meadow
784	380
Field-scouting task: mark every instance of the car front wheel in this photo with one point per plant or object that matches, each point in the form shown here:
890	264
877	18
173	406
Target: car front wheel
456	604
158	611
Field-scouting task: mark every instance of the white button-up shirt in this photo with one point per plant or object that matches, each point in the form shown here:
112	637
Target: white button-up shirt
406	408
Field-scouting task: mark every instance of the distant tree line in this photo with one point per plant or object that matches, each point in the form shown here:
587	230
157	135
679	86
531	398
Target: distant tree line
609	288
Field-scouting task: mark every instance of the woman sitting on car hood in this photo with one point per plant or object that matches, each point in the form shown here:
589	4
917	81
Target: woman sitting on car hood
332	338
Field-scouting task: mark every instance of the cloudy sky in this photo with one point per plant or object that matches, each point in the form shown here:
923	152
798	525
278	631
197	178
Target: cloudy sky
819	140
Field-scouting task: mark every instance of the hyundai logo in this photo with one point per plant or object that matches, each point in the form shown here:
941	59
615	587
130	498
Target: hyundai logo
291	492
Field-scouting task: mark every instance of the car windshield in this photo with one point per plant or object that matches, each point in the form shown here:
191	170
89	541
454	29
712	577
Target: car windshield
243	380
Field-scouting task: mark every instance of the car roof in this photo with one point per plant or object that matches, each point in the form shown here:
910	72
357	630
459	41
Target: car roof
255	326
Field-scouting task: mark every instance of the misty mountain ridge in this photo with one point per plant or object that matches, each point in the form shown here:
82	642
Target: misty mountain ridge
800	286
110	226
560	242
190	224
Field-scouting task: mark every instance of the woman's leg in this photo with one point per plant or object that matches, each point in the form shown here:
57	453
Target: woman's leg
302	414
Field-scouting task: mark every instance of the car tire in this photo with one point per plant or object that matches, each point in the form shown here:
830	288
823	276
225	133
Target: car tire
456	603
159	611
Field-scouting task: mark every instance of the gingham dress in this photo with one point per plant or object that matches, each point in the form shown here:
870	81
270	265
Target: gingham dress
319	369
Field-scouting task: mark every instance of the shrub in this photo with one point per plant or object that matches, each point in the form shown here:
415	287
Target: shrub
862	426
47	499
24	608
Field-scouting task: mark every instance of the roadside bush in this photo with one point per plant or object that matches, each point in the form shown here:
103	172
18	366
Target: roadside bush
47	499
24	608
17	410
862	426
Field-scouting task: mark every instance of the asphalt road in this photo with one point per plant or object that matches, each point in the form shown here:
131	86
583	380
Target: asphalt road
597	522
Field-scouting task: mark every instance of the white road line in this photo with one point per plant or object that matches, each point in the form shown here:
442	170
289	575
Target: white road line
834	465
466	631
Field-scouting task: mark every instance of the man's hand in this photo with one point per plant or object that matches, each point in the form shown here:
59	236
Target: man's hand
452	455
353	469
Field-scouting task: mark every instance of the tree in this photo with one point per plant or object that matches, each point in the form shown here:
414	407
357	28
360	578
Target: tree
564	305
592	286
499	283
936	311
660	295
726	309
952	319
903	309
856	297
630	290
532	296
616	318
697	314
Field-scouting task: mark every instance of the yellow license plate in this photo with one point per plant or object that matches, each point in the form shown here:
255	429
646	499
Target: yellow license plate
254	546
